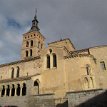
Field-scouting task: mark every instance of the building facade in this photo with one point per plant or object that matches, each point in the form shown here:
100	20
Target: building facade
56	69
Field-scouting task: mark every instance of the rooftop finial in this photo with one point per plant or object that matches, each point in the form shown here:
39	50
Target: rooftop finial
35	22
35	13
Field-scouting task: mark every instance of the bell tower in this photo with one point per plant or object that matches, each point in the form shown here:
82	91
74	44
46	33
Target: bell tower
33	41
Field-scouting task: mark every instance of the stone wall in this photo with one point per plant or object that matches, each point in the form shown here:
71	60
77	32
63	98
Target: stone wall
99	54
14	101
90	98
45	100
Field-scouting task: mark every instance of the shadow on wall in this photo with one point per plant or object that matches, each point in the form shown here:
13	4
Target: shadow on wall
97	101
65	104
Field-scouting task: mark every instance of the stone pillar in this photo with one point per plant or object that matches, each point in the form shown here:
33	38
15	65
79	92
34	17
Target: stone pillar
5	91
15	90
0	90
10	90
6	87
51	60
21	86
45	62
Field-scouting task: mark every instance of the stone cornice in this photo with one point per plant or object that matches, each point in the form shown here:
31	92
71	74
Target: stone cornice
20	61
15	79
18	79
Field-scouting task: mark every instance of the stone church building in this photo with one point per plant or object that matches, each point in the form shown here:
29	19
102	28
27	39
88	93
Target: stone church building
51	71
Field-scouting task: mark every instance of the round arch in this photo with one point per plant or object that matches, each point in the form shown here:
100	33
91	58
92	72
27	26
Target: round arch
37	86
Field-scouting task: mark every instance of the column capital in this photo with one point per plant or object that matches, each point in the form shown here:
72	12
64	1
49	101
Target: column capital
21	85
10	86
1	88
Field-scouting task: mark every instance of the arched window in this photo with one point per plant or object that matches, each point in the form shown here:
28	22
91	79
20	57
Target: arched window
3	91
18	90
27	44
18	70
103	66
26	53
54	60
31	42
12	73
8	91
92	82
30	52
38	44
50	50
27	73
36	84
13	90
41	46
24	89
48	61
87	85
88	69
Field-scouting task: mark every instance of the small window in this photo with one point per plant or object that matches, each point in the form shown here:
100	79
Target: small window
48	61
38	44
12	73
18	69
50	50
33	23
41	46
88	69
30	52
54	60
31	42
27	44
26	53
103	66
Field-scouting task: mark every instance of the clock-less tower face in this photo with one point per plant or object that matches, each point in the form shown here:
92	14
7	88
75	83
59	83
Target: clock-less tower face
33	41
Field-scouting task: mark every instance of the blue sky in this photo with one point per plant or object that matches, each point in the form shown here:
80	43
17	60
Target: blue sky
83	21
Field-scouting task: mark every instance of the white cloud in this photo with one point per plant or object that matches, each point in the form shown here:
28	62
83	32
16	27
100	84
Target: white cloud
82	20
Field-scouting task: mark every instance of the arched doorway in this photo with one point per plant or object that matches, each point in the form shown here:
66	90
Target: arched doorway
13	90
8	91
36	85
3	91
24	89
18	90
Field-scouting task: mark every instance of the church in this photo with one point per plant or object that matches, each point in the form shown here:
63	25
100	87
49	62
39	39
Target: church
51	72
